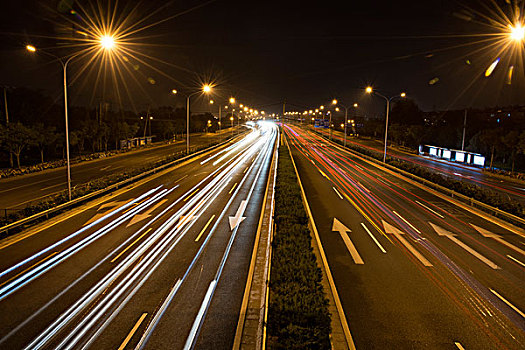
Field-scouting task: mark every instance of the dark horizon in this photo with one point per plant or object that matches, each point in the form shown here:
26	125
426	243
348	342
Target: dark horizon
271	52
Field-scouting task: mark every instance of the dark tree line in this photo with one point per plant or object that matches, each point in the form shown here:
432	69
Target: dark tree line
498	134
36	133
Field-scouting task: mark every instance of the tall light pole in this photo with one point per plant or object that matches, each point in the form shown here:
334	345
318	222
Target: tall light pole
355	105
369	90
206	89
107	42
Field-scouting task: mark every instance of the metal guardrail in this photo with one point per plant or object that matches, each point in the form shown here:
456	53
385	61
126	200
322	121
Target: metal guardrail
46	213
465	199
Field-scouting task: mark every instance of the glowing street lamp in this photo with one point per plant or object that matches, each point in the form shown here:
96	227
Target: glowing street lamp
107	42
388	100
206	88
346	116
517	32
64	64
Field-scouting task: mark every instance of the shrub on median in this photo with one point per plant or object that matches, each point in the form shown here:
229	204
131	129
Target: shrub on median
298	315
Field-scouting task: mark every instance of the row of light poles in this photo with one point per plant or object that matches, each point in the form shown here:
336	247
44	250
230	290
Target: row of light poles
335	102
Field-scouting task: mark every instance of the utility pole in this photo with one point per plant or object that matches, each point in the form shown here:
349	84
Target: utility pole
5	104
7	123
284	107
220	111
464	129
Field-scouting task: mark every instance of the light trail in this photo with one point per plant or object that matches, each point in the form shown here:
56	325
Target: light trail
113	301
327	158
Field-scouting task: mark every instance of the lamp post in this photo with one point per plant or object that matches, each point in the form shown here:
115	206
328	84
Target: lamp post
206	89
107	43
355	105
369	90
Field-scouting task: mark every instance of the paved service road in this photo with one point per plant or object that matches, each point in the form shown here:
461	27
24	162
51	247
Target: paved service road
510	188
412	269
20	191
156	265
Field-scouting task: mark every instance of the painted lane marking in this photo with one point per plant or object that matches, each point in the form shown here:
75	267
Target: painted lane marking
375	240
408	223
452	236
191	195
232	188
342	229
459	346
147	214
336	191
205	227
133	330
508	303
238	218
29	268
487	234
399	235
432	211
131	245
516	260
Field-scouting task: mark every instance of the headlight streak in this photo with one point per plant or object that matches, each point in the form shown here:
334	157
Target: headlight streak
115	250
211	289
36	272
173	233
136	272
470	284
34	256
220	152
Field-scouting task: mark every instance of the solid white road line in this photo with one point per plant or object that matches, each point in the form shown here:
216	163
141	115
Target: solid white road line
508	303
516	260
408	223
336	191
432	211
375	240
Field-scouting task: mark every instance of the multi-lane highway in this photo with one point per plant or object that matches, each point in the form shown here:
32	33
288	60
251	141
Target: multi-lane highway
412	269
507	187
159	265
20	191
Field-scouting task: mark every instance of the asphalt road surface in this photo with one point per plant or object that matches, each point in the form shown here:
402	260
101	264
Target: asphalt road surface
507	187
412	269
158	265
20	191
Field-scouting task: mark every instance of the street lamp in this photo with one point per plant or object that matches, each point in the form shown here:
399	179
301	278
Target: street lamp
369	90
334	102
517	32
107	43
206	89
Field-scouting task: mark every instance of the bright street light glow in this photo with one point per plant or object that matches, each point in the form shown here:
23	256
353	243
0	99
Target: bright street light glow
107	42
356	105
334	101
174	91
206	88
403	94
30	48
368	90
212	102
517	32
232	100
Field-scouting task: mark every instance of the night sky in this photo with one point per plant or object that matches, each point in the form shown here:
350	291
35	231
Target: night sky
264	52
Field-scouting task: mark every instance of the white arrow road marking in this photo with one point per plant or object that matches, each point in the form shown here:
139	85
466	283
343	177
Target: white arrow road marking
238	218
184	220
342	229
488	234
442	232
147	214
399	235
109	206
